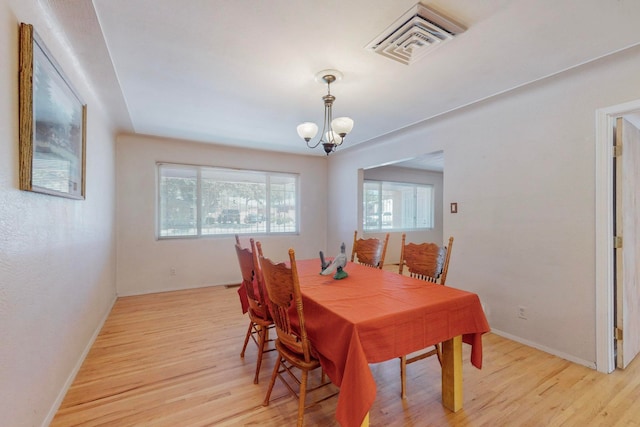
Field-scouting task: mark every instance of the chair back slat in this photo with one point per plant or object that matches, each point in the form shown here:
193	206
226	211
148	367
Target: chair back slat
370	252
424	277
283	292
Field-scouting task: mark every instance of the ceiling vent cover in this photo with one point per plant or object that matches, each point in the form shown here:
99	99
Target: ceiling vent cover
414	34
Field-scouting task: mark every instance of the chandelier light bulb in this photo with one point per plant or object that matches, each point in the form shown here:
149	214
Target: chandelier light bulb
333	137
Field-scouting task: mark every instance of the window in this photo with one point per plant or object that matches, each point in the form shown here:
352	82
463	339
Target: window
196	201
397	206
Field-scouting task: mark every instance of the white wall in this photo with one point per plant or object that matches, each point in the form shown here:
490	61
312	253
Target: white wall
521	167
57	256
398	174
144	262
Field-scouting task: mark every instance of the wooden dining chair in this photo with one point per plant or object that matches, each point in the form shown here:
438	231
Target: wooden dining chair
294	348
429	262
369	252
260	321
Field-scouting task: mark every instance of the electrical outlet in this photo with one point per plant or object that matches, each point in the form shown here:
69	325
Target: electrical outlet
522	312
172	271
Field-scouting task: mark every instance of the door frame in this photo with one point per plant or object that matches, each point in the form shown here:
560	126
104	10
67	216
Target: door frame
605	123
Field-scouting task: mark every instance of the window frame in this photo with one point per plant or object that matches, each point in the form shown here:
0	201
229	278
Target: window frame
380	203
200	215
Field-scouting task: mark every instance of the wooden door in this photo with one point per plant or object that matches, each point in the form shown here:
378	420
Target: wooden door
627	252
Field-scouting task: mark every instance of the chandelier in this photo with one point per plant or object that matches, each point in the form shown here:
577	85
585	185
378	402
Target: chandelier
333	130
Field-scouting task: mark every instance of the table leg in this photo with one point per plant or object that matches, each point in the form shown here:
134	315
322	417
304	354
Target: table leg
452	374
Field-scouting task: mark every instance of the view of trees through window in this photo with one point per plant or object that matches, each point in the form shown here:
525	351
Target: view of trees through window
201	201
397	206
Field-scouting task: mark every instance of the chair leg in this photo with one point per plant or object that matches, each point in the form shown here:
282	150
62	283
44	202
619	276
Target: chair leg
403	377
439	353
273	381
261	340
246	339
302	396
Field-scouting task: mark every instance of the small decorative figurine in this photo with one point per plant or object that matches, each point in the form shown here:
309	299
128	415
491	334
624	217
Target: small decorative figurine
336	265
323	264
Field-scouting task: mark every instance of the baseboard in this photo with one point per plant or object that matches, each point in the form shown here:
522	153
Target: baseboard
549	350
76	369
174	289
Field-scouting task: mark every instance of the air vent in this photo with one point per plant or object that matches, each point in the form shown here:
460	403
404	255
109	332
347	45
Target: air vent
416	33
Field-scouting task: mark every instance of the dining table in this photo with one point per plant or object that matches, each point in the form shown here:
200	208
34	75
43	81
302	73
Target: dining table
375	315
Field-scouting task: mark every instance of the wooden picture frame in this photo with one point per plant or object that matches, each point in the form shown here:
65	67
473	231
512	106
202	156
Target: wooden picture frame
52	120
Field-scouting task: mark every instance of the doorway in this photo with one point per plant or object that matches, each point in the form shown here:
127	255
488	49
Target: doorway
425	170
605	210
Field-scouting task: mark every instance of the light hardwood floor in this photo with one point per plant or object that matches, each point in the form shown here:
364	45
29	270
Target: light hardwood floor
173	359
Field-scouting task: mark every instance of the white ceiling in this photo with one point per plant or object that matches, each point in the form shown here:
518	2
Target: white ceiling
241	72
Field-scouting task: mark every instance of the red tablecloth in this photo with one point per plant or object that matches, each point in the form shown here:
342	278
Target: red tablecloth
375	315
244	299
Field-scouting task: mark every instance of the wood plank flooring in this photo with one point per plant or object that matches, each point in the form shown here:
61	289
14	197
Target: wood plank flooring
173	359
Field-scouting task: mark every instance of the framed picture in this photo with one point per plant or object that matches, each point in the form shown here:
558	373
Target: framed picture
52	123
